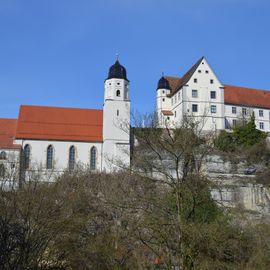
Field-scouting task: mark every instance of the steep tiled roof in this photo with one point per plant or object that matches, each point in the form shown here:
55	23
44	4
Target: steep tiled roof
7	133
184	80
173	81
243	96
64	124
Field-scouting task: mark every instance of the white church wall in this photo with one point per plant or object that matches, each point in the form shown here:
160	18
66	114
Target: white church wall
116	125
38	153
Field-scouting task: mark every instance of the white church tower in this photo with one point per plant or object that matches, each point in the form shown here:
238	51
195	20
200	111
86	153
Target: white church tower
116	120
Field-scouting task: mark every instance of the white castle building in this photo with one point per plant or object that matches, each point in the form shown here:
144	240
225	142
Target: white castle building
199	93
55	139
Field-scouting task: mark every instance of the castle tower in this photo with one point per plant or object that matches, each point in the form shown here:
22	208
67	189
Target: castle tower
116	120
163	102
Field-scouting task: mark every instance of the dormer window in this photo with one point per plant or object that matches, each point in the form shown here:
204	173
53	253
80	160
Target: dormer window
118	93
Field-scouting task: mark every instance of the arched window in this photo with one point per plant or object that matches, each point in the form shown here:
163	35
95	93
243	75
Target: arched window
49	157
2	171
3	155
71	159
93	158
118	93
26	154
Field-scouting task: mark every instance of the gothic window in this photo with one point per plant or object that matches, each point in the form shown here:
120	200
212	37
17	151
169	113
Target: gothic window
118	93
2	171
71	158
3	155
26	155
93	158
49	157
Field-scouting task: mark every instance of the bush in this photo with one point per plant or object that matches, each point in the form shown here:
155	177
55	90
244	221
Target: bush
225	141
243	136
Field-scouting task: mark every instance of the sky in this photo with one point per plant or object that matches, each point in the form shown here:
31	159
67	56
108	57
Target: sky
58	52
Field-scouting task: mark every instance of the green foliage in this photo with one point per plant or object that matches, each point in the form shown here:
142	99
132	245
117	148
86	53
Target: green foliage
247	134
225	141
243	135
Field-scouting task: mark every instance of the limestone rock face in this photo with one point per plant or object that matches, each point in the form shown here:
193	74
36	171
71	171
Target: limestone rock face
233	187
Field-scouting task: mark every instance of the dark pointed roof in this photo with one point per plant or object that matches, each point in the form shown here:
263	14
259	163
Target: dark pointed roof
163	83
117	71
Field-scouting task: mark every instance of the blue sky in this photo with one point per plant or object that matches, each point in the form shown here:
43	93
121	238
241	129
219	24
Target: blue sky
58	52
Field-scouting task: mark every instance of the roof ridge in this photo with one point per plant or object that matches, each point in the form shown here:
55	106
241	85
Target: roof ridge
250	88
186	77
58	107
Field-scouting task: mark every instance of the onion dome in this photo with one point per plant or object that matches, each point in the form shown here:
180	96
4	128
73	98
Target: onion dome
117	71
163	83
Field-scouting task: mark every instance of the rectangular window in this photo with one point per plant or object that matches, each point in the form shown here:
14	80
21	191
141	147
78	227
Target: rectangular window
195	80
234	110
261	125
213	94
261	113
174	113
179	95
211	81
213	108
194	93
244	111
194	107
234	122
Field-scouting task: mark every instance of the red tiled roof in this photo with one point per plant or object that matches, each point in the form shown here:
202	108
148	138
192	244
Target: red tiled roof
246	96
63	124
7	133
167	112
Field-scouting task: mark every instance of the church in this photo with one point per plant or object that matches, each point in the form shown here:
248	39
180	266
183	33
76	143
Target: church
54	139
51	140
